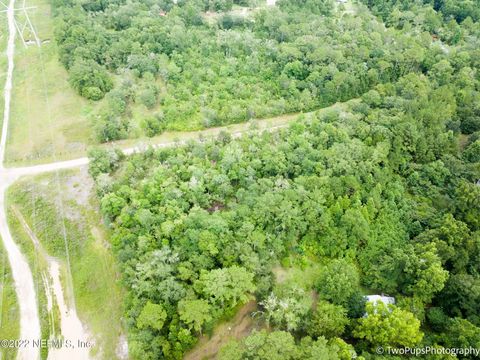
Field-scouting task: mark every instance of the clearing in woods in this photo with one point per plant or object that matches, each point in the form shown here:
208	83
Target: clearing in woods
239	327
48	120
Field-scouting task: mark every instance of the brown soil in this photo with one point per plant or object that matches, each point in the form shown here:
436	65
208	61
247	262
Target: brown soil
237	328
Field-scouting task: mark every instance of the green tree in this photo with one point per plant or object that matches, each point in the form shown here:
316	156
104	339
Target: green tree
338	282
152	316
103	161
461	334
277	345
472	152
280	345
195	313
461	296
426	272
327	320
227	286
90	79
112	205
289	310
468	203
388	326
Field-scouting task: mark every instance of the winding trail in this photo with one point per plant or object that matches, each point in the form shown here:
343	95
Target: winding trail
21	274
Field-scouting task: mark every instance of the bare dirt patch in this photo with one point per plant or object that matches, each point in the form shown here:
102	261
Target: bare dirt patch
79	187
239	327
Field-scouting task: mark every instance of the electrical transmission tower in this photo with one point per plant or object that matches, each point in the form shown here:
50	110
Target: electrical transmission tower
24	26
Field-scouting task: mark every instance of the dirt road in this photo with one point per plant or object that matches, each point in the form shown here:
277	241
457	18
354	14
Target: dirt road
21	274
70	325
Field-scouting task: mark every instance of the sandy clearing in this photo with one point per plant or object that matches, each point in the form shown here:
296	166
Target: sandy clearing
71	326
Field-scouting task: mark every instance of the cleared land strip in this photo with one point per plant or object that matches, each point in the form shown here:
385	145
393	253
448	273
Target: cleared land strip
21	273
71	326
10	175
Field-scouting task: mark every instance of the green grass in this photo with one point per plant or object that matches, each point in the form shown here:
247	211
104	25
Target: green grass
95	277
254	124
9	311
299	271
3	64
48	119
37	266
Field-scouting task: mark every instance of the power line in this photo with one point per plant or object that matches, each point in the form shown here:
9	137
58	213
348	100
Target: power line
57	177
22	26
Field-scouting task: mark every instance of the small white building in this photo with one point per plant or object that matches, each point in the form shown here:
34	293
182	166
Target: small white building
375	299
384	299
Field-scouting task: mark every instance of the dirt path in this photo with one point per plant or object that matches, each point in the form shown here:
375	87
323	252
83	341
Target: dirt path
22	276
237	328
7	93
70	325
165	141
24	287
10	175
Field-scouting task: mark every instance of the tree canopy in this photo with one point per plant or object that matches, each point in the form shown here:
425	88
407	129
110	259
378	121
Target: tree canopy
380	193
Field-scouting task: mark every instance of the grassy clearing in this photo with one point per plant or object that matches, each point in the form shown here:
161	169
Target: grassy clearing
240	326
299	271
48	119
3	63
95	278
254	125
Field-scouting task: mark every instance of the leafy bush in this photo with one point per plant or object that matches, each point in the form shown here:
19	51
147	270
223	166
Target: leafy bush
90	79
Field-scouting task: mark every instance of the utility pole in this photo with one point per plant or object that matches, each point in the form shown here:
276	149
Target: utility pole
23	23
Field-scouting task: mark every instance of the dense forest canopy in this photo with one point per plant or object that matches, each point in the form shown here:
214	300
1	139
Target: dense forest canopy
456	9
383	186
381	195
192	67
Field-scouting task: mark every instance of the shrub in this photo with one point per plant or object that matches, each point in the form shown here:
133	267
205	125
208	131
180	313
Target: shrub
90	79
